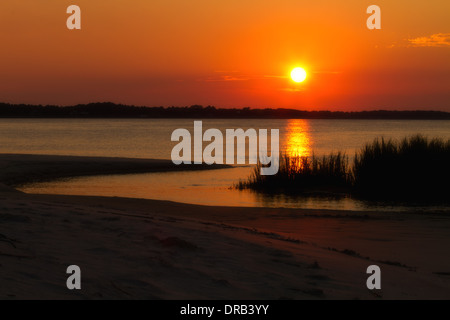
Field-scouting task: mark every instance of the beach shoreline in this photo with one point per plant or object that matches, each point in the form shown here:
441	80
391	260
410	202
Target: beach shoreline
20	169
150	249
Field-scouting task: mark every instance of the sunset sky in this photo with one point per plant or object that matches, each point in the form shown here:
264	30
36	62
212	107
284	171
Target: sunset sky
233	53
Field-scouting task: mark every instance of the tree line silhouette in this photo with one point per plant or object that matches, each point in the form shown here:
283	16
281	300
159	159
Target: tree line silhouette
113	110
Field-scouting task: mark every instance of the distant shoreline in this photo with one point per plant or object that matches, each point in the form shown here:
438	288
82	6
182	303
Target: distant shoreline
110	110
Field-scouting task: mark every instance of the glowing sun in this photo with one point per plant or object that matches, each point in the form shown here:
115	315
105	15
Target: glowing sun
298	75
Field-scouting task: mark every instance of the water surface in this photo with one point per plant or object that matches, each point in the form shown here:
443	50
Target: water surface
150	138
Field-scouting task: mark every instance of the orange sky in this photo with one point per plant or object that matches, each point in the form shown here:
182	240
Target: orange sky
227	53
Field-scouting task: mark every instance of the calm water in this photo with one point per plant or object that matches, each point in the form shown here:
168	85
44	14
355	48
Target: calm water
147	138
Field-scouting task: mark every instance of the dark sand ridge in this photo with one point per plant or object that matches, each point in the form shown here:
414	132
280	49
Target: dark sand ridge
16	169
134	248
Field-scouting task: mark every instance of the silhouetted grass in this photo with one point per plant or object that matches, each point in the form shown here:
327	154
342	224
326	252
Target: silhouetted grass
415	169
302	173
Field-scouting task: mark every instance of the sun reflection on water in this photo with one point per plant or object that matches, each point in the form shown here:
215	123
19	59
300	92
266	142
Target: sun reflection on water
298	141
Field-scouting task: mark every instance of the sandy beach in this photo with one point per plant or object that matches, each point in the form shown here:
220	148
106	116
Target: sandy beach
148	249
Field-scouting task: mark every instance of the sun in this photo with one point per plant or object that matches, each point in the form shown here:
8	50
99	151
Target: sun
298	75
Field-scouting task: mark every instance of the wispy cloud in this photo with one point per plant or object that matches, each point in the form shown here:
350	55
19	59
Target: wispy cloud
277	77
225	76
299	89
231	76
434	40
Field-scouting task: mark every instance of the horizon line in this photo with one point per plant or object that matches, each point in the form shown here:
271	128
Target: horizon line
200	106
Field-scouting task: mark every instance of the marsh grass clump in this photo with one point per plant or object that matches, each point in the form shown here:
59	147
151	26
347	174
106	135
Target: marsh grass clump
302	173
415	169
